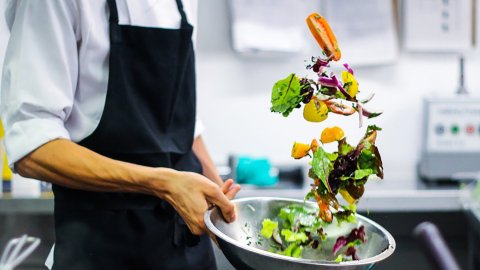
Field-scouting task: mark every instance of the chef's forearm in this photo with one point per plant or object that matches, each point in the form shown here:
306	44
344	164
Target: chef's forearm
209	168
68	164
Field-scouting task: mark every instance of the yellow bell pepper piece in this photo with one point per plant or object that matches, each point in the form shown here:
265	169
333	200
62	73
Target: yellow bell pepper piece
315	111
331	134
346	196
300	150
349	79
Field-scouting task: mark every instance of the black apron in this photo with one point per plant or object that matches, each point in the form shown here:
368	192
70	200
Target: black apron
148	119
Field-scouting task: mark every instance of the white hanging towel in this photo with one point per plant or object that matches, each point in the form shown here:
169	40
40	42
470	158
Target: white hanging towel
268	26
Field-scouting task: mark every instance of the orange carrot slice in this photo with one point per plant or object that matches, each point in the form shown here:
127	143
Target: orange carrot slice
324	35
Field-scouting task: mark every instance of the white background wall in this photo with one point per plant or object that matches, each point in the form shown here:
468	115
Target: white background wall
3	35
234	98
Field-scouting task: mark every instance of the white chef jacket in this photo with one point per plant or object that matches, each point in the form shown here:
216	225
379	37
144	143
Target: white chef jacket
55	74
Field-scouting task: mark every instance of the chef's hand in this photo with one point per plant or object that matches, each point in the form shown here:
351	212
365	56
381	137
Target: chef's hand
191	193
230	189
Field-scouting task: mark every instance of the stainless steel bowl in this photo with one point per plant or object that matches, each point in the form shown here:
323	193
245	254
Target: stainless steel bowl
243	246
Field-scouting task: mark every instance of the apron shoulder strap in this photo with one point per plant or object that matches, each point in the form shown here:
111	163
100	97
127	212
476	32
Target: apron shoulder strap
184	22
112	5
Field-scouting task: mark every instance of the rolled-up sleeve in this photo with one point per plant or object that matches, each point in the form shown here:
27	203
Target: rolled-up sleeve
39	74
199	128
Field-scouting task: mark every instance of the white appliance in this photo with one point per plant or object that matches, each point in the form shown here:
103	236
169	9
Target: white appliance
451	137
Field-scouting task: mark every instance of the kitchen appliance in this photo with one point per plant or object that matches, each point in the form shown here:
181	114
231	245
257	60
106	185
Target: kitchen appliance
435	247
471	207
244	248
17	250
451	137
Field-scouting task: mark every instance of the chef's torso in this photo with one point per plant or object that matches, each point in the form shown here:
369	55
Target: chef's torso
67	69
66	60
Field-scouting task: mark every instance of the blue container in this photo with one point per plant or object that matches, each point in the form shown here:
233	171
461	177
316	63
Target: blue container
255	171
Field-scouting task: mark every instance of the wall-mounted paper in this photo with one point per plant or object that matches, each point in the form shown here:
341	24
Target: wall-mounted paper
365	30
268	26
438	25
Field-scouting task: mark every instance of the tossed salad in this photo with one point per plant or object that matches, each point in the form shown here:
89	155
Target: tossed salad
344	171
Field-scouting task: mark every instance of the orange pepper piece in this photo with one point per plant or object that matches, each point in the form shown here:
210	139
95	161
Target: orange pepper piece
299	150
331	134
314	145
325	213
322	32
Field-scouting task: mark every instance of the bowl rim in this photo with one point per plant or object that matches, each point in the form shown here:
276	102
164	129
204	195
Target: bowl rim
379	257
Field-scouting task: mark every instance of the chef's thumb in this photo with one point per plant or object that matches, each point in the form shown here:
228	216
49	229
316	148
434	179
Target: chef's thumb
226	207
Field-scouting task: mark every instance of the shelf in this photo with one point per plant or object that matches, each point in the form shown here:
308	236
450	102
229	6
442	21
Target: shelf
436	200
40	206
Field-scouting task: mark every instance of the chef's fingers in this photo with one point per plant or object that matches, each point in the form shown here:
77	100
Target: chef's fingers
217	197
195	221
234	189
230	189
227	185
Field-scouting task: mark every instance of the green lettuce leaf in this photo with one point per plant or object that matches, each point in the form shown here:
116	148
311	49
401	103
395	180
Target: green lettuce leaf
321	166
294	237
367	160
268	226
343	147
362	173
331	156
310	195
345	216
293	250
292	214
356	242
371	128
286	95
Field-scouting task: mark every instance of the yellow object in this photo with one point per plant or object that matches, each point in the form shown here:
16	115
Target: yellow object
2	132
299	150
315	111
6	172
352	83
331	134
346	196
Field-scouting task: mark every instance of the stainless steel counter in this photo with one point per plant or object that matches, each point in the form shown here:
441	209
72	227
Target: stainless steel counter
387	203
381	200
26	206
387	200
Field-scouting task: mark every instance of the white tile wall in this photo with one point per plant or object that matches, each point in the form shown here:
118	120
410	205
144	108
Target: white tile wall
234	97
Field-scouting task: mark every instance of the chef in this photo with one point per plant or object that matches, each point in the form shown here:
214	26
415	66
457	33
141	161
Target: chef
98	98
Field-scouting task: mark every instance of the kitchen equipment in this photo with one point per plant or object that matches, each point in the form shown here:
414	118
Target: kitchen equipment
245	249
255	171
471	207
451	139
434	246
259	172
17	250
451	136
